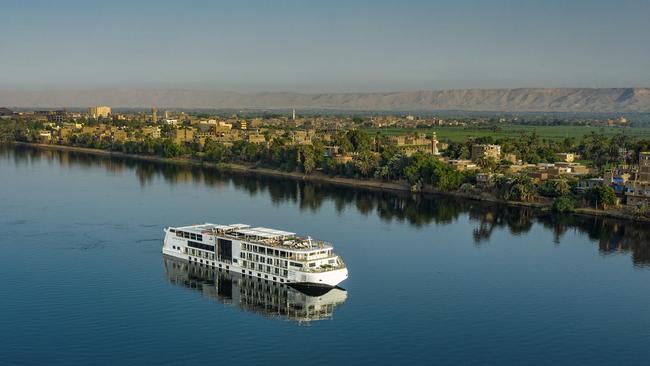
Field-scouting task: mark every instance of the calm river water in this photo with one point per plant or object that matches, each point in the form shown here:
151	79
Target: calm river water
432	280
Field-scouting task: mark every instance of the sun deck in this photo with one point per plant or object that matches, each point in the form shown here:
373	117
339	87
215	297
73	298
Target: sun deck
260	235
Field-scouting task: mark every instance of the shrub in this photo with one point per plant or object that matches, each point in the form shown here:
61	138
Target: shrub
563	204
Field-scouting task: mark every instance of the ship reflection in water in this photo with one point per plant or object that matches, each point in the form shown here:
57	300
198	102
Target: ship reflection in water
254	294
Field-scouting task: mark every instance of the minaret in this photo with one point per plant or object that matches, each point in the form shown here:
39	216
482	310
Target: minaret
434	144
154	114
294	115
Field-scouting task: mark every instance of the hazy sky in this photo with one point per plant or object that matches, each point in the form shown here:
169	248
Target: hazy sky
325	45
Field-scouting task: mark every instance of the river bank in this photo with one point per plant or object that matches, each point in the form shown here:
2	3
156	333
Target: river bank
317	177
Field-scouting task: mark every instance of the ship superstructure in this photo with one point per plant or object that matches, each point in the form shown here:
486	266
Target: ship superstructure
269	254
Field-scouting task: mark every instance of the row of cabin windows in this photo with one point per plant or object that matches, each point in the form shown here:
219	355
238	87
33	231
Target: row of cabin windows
258	258
198	253
186	235
264	250
282	253
264	268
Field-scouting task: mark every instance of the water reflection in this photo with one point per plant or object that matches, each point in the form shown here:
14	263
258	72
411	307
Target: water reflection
612	236
254	294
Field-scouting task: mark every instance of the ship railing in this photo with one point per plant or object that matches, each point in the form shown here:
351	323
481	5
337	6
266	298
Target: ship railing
325	268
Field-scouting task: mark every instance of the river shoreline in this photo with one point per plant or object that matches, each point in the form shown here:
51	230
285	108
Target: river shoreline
374	185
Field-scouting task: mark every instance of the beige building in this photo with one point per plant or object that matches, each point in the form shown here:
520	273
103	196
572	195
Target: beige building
462	164
644	166
183	135
256	138
99	111
486	151
410	144
565	157
637	192
151	131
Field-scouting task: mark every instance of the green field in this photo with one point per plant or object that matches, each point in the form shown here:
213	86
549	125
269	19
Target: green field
459	134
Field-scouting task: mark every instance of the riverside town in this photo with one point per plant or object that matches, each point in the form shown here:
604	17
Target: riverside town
602	170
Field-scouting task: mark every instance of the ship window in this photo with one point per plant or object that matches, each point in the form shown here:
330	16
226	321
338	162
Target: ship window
299	265
199	237
186	235
234	260
172	230
262	250
179	234
312	264
194	244
192	236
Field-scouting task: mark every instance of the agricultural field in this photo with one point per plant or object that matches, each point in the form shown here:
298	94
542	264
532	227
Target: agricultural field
459	134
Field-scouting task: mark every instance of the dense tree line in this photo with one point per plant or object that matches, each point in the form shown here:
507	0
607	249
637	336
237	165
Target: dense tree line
373	158
596	148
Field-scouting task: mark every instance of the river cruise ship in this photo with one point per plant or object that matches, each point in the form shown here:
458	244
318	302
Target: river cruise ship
269	254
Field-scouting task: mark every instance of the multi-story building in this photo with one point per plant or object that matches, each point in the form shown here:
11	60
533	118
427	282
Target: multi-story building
241	124
151	131
637	191
644	166
183	135
99	111
410	144
486	151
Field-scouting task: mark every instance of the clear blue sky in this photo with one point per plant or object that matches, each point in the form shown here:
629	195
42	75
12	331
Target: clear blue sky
326	45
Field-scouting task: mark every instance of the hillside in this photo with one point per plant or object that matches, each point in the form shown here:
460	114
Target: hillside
513	100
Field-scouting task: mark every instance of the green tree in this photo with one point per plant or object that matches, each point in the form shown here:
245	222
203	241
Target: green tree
515	188
563	204
307	158
601	197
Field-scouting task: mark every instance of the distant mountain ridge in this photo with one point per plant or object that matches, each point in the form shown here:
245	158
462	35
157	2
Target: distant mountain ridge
494	100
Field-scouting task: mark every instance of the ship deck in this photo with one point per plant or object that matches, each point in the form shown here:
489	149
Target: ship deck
260	235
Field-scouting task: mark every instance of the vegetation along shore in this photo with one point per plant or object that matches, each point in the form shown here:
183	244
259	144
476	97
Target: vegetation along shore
601	172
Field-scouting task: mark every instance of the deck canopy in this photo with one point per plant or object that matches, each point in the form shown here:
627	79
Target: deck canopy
265	233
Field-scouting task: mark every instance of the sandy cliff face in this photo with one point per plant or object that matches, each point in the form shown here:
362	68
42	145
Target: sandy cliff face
523	99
